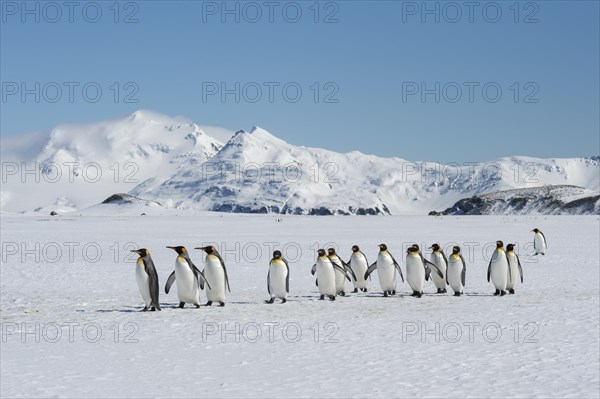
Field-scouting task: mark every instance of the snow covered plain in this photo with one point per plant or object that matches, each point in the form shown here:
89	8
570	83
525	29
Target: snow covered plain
541	342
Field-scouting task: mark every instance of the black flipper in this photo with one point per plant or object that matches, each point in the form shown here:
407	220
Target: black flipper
287	277
335	265
444	256
224	270
520	268
463	276
544	237
370	270
313	269
397	267
200	277
153	280
428	263
366	261
269	283
170	282
508	263
489	272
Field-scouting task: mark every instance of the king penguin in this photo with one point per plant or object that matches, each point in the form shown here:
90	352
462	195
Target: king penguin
147	279
341	272
457	271
325	270
514	265
216	276
498	269
415	271
539	242
359	264
278	278
438	258
386	267
189	279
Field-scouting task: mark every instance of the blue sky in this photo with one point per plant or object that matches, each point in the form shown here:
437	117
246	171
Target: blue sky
374	58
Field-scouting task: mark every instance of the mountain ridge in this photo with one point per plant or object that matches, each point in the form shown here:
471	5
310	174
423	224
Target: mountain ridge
182	167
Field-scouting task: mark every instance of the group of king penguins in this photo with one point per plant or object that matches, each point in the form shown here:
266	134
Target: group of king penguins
332	272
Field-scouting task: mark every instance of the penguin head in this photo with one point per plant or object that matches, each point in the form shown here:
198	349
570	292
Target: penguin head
510	247
142	252
331	251
536	230
412	250
416	246
276	254
456	250
435	247
179	249
382	247
321	252
355	248
499	244
209	249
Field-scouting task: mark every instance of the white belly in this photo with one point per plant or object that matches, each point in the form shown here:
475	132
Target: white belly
326	277
216	278
143	282
415	273
437	259
539	244
187	285
386	272
514	274
499	270
455	268
359	267
277	277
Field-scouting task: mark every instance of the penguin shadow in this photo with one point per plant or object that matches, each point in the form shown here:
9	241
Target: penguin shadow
477	294
134	309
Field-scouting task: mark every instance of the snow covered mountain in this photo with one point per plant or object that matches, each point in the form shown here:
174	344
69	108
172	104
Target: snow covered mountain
82	164
548	200
173	162
255	172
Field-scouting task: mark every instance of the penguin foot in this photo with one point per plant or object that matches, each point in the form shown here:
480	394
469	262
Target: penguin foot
385	294
393	292
153	309
270	300
181	305
355	291
457	294
332	297
511	291
364	290
322	297
145	309
502	293
343	293
197	305
283	300
497	293
221	304
209	303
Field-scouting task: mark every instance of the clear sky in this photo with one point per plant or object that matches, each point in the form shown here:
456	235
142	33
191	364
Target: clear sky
417	80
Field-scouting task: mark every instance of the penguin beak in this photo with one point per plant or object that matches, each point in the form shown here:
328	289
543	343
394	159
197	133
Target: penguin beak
137	251
202	248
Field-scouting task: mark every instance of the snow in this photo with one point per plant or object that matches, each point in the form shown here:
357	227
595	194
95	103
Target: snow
378	348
